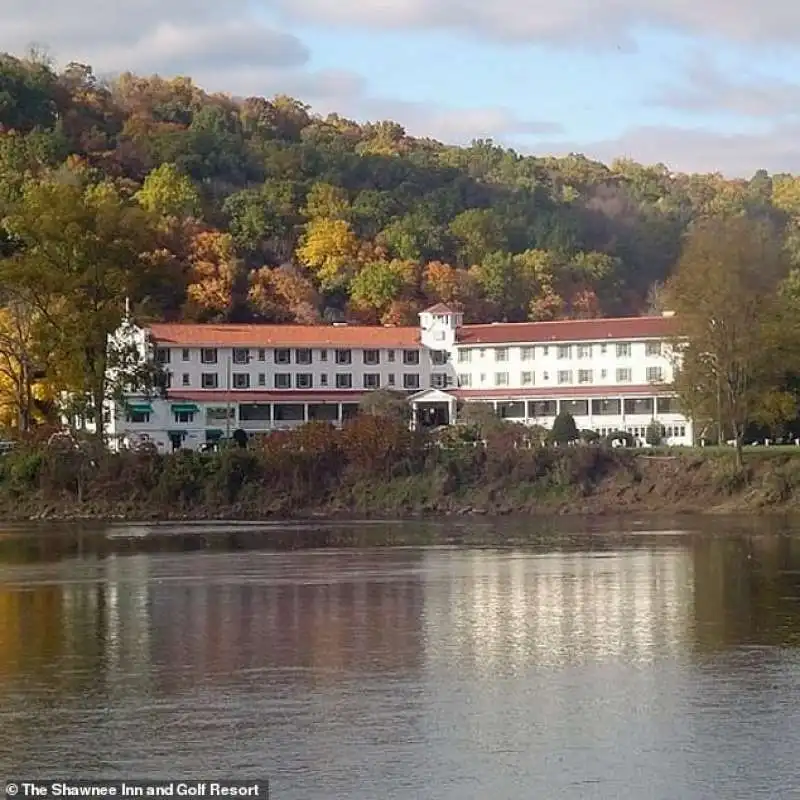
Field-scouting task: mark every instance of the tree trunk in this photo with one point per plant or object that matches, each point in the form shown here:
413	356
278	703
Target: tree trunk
739	450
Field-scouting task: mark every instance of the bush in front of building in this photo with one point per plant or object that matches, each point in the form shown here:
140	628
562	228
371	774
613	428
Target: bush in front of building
564	430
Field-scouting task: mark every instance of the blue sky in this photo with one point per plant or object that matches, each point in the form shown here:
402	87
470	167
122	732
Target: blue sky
706	87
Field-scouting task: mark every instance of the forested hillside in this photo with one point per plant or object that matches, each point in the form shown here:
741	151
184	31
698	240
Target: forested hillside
204	207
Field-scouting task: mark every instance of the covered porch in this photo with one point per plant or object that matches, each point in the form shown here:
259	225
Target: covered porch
432	408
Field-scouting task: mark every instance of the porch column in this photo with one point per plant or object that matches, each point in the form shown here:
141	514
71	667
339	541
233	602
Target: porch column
305	412
452	405
271	415
339	413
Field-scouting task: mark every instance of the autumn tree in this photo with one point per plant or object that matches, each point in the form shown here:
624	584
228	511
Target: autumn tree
378	284
329	248
283	294
22	361
167	192
216	277
736	335
79	255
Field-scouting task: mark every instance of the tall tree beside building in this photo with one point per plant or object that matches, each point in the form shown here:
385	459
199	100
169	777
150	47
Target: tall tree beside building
736	333
79	252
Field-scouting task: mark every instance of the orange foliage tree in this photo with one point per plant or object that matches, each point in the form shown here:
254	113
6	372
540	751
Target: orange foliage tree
283	295
214	275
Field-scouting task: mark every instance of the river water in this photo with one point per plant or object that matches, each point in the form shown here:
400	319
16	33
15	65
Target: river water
613	663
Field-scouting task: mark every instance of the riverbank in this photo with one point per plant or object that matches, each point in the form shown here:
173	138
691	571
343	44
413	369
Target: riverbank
380	471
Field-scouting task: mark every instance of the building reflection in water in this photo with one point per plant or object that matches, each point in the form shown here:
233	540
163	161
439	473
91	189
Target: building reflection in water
562	608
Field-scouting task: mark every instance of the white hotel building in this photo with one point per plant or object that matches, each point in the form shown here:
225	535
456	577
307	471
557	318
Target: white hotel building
610	374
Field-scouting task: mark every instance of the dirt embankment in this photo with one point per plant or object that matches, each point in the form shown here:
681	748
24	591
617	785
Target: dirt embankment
396	482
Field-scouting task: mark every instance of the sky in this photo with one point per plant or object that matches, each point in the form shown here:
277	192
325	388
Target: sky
699	85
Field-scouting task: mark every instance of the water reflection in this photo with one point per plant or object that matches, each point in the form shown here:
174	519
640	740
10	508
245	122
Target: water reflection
648	666
506	613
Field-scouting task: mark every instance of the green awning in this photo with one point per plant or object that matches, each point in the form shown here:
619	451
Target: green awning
184	408
140	408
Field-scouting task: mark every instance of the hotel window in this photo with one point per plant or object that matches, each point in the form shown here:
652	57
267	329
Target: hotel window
302	355
483	377
652	349
323	380
262	379
603	349
241	380
344	357
371	357
464	356
624	376
465	379
162	355
527	379
390	378
526	353
372	380
482	352
137	416
411	381
390	356
183	416
501	379
564	351
282	355
545	350
344	380
209	380
241	356
185	354
411	357
208	355
323	355
303	380
584	351
186	379
501	354
564	376
546	376
439	381
262	354
654	374
584	376
283	380
624	350
166	380
603	374
439	358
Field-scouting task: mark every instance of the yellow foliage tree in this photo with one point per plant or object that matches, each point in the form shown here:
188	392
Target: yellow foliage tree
214	273
22	368
330	249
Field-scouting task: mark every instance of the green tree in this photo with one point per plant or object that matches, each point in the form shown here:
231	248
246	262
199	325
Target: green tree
167	192
564	430
386	403
736	333
80	254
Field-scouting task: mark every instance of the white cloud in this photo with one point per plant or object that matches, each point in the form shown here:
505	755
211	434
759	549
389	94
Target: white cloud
696	150
604	23
706	89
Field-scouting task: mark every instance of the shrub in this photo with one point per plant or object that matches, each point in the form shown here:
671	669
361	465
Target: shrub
564	430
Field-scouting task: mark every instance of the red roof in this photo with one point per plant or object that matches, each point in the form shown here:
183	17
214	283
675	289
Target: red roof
249	396
548	392
230	335
569	330
439	308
